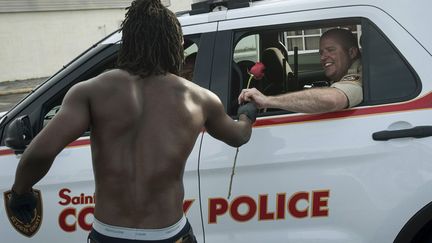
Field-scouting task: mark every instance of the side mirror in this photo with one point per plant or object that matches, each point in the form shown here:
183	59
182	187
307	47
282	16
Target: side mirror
19	134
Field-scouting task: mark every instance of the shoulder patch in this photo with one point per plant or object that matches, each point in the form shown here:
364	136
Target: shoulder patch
351	77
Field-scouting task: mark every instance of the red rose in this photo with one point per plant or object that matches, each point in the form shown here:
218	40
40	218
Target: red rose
257	70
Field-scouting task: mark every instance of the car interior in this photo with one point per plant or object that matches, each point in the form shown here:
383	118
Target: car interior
290	56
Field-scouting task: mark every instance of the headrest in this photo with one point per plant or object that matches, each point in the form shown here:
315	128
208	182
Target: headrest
190	59
273	60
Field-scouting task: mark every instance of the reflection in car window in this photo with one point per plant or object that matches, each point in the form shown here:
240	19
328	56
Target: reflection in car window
50	115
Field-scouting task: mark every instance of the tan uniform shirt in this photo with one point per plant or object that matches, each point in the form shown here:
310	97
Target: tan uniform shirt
351	84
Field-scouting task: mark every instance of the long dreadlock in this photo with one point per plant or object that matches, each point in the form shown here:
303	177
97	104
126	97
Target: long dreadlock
151	41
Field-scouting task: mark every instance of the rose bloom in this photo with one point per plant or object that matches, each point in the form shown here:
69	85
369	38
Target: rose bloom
257	70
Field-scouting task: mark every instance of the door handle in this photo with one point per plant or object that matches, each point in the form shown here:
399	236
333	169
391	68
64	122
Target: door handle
415	132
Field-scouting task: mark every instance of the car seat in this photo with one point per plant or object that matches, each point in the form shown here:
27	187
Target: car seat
276	72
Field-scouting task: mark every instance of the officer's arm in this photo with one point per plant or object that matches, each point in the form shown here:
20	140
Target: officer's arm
316	100
220	126
70	123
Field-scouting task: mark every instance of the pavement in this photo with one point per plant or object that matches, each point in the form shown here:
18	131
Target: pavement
11	92
19	86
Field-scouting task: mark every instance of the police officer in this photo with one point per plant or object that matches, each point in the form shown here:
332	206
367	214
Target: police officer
340	59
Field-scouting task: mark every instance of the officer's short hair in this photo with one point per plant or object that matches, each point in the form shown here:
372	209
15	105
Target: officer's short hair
346	38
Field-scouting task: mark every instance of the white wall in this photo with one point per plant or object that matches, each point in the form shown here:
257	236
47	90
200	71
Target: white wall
180	5
37	44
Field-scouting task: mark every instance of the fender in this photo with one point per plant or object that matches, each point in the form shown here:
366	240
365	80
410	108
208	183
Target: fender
413	227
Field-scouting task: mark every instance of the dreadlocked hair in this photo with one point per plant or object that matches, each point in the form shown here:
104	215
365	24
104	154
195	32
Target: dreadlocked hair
151	41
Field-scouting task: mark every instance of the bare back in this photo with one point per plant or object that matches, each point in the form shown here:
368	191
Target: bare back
142	131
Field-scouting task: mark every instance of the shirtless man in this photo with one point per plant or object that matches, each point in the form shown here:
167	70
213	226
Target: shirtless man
144	121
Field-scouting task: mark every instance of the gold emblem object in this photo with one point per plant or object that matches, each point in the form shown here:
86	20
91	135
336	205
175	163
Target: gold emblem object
31	228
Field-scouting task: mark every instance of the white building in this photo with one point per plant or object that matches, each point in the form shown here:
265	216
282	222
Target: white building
38	37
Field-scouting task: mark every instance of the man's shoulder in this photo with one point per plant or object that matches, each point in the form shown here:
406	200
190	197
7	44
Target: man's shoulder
356	67
113	74
354	73
205	96
107	79
193	87
351	77
97	84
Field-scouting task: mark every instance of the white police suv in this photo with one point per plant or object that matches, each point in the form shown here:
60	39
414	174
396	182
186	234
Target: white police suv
363	174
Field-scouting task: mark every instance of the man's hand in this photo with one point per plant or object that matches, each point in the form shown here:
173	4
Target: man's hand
248	109
253	95
23	205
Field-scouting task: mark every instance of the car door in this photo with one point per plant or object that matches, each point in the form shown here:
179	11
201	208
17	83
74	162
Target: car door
324	177
202	34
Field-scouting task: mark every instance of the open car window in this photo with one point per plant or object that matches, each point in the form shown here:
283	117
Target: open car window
291	56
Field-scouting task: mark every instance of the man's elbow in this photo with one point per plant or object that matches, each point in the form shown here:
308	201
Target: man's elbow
241	142
334	102
338	104
241	139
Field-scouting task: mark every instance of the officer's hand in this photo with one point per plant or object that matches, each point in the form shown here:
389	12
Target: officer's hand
23	206
253	95
250	110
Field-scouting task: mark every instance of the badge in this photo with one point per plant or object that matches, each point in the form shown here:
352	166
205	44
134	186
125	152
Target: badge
353	77
26	229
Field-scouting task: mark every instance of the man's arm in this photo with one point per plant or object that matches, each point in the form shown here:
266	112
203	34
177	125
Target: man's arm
220	126
69	123
316	100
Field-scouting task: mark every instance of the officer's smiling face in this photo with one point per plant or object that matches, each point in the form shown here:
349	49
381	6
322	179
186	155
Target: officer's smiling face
334	58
